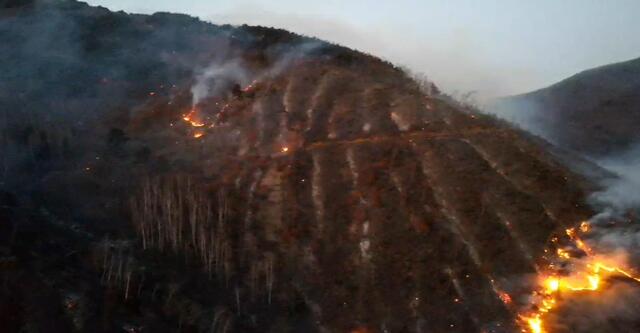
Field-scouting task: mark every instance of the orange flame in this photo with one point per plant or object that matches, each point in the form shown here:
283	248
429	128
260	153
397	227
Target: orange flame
563	253
504	297
585	227
594	270
196	123
189	118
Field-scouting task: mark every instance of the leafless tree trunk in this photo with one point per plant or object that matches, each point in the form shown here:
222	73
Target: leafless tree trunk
269	276
174	213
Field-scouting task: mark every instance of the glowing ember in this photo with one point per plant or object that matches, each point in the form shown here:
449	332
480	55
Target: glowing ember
563	253
505	298
585	227
195	119
285	149
587	275
535	324
189	118
552	284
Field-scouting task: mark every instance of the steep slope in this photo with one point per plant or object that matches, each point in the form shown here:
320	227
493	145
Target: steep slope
163	174
407	213
596	112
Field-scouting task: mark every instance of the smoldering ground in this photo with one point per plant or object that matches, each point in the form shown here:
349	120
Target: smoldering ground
613	307
615	232
614	239
77	82
223	71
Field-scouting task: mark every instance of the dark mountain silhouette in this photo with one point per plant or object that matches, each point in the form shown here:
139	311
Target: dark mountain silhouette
596	112
309	188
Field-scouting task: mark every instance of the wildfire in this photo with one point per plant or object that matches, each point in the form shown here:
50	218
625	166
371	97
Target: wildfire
585	227
196	120
592	270
562	253
504	297
189	118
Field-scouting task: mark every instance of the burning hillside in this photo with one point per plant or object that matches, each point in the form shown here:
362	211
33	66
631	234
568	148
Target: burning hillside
245	179
574	268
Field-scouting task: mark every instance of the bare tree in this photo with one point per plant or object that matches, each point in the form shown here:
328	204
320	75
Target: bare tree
172	213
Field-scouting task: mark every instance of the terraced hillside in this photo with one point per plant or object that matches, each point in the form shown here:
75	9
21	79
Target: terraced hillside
322	192
396	210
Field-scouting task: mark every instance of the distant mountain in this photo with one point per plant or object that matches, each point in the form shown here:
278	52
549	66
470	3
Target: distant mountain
596	112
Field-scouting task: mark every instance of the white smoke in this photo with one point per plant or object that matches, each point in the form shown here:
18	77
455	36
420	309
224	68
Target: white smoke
284	59
595	312
217	77
222	73
622	193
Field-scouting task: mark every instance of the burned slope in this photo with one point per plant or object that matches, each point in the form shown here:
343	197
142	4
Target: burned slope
307	188
396	210
74	78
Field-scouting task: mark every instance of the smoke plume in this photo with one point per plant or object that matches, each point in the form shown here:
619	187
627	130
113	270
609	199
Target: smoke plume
218	77
222	73
623	192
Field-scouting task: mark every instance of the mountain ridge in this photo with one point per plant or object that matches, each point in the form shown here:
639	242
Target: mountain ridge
595	111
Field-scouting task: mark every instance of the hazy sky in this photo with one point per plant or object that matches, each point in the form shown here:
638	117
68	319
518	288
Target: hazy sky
493	47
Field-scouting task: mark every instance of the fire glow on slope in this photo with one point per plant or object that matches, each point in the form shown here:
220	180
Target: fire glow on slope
190	118
194	118
588	272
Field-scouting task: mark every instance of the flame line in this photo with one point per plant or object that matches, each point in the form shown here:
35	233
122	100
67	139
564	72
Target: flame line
552	285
